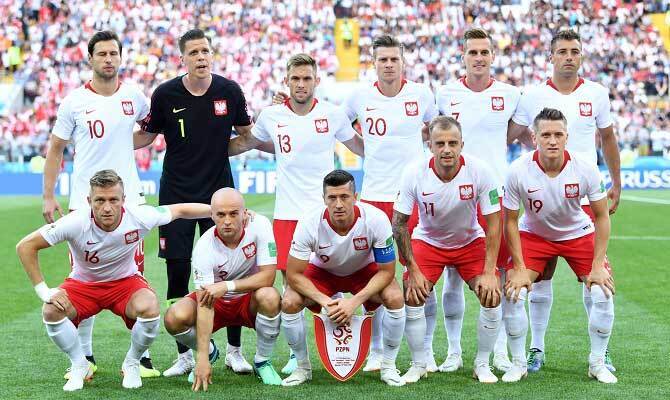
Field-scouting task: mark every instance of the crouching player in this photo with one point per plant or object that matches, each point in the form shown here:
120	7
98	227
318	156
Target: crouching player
234	269
342	247
549	183
447	188
102	239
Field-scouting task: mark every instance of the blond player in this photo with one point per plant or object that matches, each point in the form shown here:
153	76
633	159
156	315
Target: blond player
549	183
102	239
448	188
586	106
98	119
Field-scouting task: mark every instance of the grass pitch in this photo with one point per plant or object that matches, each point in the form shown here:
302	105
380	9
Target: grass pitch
33	367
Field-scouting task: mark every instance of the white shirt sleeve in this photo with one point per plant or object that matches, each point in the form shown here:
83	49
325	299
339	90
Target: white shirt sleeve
259	130
512	196
431	109
382	231
203	268
67	228
152	216
407	195
266	253
595	186
302	245
603	115
143	106
350	107
522	113
343	129
65	122
488	195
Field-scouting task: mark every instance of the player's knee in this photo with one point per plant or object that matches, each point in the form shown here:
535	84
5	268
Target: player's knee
542	292
393	298
291	303
454	304
177	318
51	314
147	307
268	300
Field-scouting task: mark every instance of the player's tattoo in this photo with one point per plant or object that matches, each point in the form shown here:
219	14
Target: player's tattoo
401	235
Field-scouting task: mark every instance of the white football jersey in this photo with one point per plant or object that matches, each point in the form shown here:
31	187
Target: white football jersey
100	256
305	152
587	108
101	129
448	210
391	128
214	262
483	117
315	240
552	207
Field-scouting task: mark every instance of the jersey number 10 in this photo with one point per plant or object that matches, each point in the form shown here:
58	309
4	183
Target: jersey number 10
96	128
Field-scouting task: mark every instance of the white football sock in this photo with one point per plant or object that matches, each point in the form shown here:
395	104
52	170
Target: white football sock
586	297
64	335
393	326
516	322
376	340
430	310
85	333
294	329
267	330
189	338
539	308
142	335
600	322
415	332
488	325
453	303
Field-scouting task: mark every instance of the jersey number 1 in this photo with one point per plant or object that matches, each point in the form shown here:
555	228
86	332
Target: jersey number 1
181	127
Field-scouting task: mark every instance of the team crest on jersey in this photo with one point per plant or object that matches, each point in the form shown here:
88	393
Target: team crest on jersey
571	190
132	236
467	192
361	243
321	125
497	103
249	250
585	109
411	108
220	107
127	107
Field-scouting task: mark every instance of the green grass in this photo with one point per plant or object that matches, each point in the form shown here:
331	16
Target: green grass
34	367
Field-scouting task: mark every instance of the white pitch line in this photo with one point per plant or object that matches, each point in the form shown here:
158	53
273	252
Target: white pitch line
616	237
641	199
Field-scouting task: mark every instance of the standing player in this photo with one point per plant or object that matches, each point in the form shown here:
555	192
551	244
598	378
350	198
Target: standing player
392	113
483	106
196	113
102	238
449	187
98	118
549	183
343	247
234	269
302	132
586	106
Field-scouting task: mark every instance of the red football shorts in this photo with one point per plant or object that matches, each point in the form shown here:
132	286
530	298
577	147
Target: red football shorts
231	312
330	284
89	298
468	260
503	252
283	231
578	253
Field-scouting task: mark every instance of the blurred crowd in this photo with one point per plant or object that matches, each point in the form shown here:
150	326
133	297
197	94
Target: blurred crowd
43	46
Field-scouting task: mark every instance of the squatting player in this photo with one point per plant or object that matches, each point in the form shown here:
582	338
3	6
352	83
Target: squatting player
102	238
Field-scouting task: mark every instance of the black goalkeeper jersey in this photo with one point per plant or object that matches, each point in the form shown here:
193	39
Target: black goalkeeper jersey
197	131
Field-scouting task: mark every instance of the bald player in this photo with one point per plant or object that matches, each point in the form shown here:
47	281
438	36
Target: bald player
234	266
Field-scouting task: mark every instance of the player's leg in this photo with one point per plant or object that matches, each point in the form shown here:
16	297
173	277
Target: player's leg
63	333
540	300
266	304
175	245
430	310
415	332
453	304
142	307
501	361
376	355
292	306
393	326
283	232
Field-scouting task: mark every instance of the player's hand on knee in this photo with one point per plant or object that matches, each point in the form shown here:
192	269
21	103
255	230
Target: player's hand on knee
487	290
60	300
602	278
418	288
517	279
279	97
202	376
49	210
